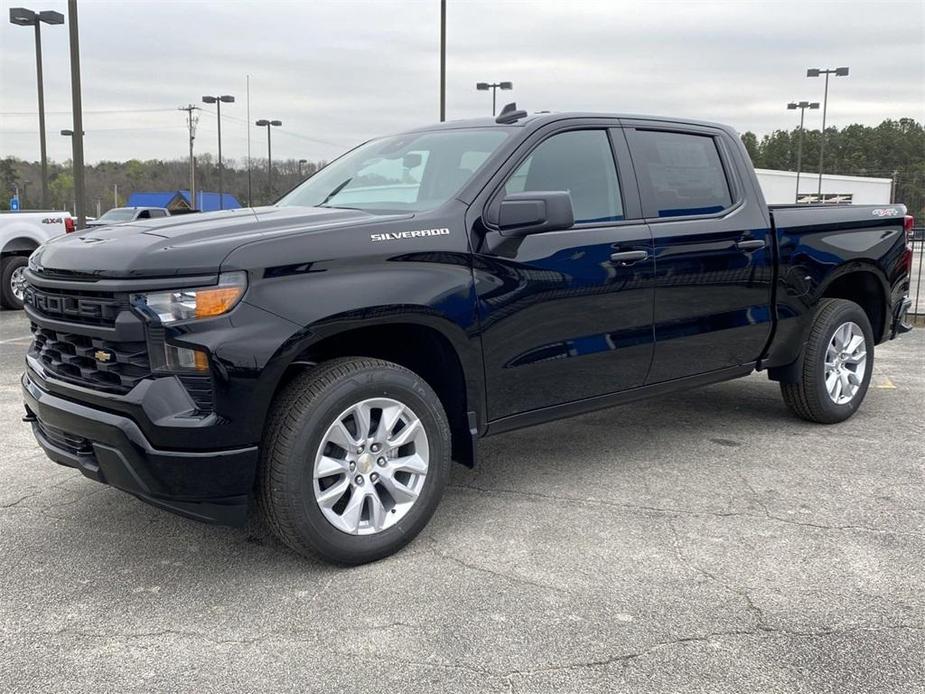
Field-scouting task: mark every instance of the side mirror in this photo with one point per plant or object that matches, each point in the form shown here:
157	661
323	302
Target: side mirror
521	214
411	160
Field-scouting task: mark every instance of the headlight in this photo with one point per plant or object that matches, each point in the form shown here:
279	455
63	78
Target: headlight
199	302
34	263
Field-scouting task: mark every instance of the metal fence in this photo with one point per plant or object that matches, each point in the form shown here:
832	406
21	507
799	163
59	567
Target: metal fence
917	285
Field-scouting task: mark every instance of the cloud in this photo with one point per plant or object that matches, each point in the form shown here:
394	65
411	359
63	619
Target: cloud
337	73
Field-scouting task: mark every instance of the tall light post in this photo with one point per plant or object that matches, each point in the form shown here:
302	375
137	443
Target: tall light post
23	17
263	123
218	101
301	161
77	114
494	87
802	105
442	60
816	72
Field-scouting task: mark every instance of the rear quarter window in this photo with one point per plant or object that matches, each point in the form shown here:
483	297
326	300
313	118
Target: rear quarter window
681	174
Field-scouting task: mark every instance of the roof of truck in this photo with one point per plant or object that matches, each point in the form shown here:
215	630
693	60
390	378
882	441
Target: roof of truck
540	118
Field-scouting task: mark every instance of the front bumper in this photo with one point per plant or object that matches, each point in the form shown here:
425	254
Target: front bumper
212	486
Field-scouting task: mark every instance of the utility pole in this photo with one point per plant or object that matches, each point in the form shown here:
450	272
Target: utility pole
115	194
191	121
442	60
78	139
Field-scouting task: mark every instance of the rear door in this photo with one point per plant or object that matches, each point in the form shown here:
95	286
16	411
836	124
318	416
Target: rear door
567	315
713	248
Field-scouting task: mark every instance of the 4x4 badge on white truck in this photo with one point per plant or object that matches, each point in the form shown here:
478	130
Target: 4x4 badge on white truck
397	235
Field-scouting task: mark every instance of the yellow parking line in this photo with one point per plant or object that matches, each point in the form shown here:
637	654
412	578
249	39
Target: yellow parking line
886	383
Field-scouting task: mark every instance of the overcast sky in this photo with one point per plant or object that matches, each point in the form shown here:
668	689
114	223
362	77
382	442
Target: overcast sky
337	73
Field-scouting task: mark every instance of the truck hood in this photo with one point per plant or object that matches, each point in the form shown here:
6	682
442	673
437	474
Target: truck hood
193	244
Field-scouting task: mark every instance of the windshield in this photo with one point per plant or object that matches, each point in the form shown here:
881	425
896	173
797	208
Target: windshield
118	214
414	172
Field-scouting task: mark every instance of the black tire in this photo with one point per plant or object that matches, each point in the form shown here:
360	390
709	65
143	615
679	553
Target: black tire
808	398
300	416
9	265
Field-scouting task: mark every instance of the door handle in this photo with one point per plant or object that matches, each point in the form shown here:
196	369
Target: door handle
750	245
628	257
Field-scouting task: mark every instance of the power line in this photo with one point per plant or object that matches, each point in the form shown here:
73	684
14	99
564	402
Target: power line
282	132
67	113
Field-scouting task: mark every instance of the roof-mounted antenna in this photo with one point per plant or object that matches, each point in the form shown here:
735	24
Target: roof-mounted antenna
510	114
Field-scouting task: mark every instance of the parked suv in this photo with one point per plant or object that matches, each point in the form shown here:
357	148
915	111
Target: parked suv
325	358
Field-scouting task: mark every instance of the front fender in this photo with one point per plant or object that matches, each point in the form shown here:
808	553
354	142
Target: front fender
416	289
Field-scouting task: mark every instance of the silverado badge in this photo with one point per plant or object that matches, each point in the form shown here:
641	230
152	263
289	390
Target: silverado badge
102	355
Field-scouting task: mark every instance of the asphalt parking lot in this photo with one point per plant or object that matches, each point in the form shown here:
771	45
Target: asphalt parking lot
706	542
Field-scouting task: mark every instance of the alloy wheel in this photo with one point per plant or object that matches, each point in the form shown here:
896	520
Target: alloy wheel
18	283
371	466
845	363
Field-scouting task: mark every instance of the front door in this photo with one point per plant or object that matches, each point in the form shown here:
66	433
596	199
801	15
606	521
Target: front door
713	250
567	315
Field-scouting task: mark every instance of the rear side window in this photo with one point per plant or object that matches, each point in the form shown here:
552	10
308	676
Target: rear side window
580	162
680	174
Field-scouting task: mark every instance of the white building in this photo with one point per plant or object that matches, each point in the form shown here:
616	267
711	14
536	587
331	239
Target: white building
780	188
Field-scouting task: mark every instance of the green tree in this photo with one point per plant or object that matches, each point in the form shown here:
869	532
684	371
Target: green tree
8	181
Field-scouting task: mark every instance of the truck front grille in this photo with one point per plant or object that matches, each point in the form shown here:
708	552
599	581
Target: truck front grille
92	308
115	367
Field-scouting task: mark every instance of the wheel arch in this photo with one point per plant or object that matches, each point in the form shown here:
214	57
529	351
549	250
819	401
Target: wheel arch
20	245
866	285
432	347
861	282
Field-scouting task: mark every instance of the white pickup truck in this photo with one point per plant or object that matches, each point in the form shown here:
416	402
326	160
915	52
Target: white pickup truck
20	234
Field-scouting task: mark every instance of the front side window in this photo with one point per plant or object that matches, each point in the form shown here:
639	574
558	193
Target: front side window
680	173
413	172
580	162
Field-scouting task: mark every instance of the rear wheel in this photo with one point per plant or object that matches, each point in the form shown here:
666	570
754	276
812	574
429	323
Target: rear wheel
837	364
354	461
13	274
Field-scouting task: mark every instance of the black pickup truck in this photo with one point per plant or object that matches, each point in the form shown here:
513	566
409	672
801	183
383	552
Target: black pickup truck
325	358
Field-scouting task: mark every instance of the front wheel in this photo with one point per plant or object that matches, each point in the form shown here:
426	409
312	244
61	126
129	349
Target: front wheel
354	461
837	364
13	274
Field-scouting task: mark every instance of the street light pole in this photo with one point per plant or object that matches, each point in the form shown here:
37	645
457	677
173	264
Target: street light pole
802	105
44	151
263	123
23	17
815	72
494	86
442	60
217	100
77	139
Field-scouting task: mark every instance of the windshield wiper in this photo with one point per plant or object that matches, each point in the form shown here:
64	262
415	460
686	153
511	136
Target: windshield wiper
334	192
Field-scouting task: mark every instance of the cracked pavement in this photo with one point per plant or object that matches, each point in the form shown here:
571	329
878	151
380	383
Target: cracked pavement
701	542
